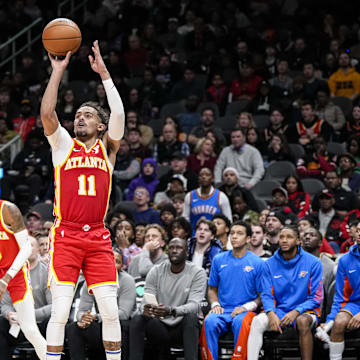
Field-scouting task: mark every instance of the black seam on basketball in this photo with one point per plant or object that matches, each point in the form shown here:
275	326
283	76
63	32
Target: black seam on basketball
68	38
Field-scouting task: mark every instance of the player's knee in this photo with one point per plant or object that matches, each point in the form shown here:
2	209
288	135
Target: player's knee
341	321
210	321
59	316
109	314
303	323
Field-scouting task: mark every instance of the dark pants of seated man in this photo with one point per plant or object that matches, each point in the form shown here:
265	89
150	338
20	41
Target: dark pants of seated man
160	337
87	343
8	343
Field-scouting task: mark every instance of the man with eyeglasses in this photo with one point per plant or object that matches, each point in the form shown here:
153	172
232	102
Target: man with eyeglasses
143	212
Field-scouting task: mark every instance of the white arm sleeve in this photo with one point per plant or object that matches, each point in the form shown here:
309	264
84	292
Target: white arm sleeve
25	251
225	205
61	143
117	115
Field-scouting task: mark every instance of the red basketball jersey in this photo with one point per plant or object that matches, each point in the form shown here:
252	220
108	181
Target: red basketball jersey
83	184
9	247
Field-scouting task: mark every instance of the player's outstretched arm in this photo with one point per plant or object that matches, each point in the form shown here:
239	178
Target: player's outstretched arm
116	125
48	103
14	221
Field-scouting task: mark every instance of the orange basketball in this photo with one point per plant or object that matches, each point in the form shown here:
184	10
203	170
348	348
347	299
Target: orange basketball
60	36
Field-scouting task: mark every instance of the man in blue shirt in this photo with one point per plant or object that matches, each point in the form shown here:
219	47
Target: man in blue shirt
292	292
234	285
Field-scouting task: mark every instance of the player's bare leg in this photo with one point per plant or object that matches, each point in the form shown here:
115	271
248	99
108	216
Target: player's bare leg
303	326
106	298
337	344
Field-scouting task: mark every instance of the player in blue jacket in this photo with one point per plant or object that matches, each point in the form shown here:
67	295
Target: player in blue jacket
234	285
292	293
345	311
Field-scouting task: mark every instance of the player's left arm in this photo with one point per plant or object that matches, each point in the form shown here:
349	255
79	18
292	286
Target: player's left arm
14	221
116	126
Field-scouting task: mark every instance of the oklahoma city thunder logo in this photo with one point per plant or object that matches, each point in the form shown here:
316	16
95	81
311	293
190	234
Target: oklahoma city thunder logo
248	268
302	274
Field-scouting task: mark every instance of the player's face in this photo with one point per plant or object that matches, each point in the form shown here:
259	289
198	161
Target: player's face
203	234
257	236
238	236
310	240
221	227
177	251
205	177
87	122
288	240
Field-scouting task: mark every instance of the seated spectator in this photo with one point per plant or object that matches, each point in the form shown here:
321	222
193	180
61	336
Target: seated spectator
243	157
282	81
280	199
298	200
204	246
317	163
345	308
299	308
177	185
253	138
178	201
352	126
165	148
277	124
191	117
230	184
43	242
206	123
312	243
137	150
278	150
124	231
203	156
353	148
263	101
326	110
232	298
85	332
172	120
205	201
172	317
135	56
42	303
143	211
147	179
247	85
312	83
263	216
346	245
133	121
245	121
350	179
218	92
256	244
68	104
240	209
180	228
24	123
5	136
329	221
309	127
223	225
152	252
167	216
34	222
126	166
178	166
140	233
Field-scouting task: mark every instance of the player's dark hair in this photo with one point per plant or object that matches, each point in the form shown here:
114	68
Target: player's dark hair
101	113
244	224
292	228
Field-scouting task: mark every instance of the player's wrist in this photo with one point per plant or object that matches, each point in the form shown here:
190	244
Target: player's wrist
215	304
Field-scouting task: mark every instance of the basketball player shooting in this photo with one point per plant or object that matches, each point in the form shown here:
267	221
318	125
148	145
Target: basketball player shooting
83	168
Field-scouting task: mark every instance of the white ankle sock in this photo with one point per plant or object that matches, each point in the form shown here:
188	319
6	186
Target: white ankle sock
336	349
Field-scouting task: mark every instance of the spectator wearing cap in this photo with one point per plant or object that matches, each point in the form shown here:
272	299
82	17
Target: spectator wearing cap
178	166
246	159
34	222
205	201
165	148
24	123
275	221
230	184
247	85
298	199
350	179
345	200
308	127
143	211
204	246
329	221
203	155
171	39
147	178
206	123
280	199
177	185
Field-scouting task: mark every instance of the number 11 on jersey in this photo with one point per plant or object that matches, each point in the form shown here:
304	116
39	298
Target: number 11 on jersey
90	189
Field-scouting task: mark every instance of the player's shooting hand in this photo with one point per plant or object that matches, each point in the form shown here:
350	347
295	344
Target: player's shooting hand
289	318
238	310
96	61
354	323
59	64
217	310
274	321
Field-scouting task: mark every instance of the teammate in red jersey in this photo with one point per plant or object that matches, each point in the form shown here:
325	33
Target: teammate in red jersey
79	240
15	248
